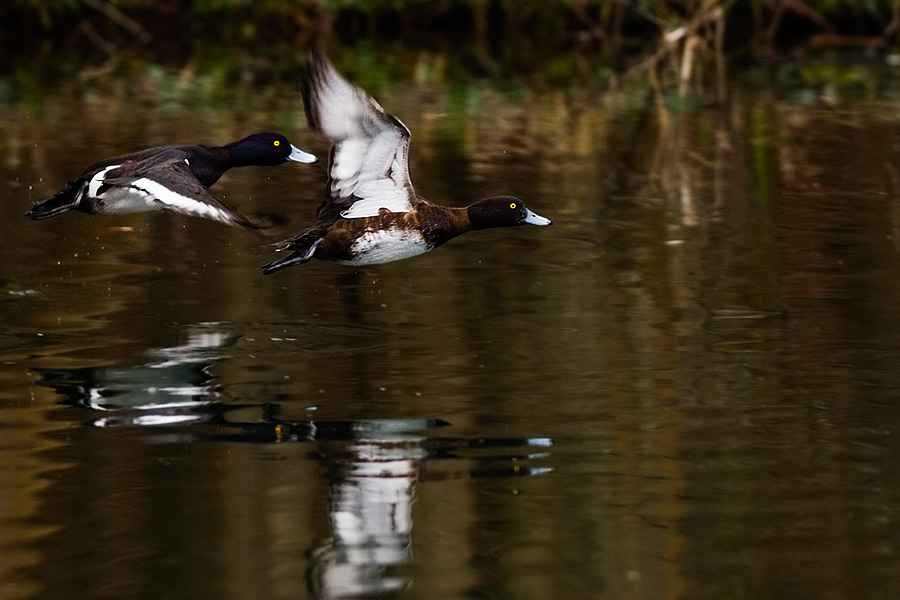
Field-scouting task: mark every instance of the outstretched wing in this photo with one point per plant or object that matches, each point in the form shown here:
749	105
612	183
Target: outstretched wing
368	169
167	182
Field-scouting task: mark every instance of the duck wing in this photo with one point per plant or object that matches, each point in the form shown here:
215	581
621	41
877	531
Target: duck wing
368	166
165	181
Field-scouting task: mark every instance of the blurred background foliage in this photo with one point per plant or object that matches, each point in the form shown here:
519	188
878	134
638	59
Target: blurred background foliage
196	47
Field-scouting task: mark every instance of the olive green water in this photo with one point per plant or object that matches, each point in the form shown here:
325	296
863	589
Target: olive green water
687	387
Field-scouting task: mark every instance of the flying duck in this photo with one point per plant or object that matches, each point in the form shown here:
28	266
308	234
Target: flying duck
372	214
175	178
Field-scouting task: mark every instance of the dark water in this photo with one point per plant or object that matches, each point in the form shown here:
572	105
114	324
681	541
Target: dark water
687	387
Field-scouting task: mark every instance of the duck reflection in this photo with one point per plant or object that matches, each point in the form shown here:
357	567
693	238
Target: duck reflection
372	476
373	466
175	387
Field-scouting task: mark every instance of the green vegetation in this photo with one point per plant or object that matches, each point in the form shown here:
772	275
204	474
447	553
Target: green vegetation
685	46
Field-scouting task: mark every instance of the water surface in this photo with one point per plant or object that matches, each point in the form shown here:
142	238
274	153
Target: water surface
685	388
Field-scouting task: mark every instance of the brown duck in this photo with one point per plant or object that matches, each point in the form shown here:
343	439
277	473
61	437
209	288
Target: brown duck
372	214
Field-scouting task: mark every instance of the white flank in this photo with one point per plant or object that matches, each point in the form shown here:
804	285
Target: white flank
382	246
160	193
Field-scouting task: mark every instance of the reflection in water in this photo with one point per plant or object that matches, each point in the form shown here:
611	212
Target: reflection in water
372	465
166	391
372	477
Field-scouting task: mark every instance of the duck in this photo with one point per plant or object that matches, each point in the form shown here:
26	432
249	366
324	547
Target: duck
172	178
372	214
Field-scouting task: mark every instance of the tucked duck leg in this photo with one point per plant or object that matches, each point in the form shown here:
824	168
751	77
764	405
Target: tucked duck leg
302	248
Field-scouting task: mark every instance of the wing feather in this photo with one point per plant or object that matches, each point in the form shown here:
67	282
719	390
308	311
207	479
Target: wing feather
182	193
368	170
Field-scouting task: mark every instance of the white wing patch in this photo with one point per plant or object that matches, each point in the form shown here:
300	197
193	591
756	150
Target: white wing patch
375	195
374	171
157	192
386	245
345	170
369	156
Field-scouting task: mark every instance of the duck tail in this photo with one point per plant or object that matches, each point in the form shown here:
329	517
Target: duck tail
64	200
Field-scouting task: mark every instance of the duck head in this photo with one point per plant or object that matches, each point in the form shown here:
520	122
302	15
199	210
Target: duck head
503	211
267	148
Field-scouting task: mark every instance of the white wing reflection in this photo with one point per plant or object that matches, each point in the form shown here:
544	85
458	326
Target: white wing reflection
374	467
373	477
168	390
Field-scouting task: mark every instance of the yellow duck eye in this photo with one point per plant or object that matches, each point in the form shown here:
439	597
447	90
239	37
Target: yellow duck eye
276	143
512	205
